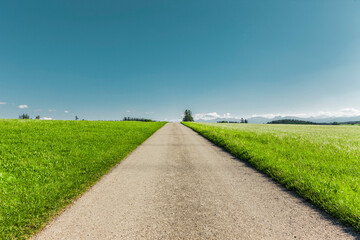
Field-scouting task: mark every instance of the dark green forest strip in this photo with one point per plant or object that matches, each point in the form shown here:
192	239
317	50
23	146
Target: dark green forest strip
321	163
45	165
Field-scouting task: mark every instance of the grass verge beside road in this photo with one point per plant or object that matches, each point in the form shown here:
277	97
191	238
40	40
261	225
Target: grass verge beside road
44	165
321	163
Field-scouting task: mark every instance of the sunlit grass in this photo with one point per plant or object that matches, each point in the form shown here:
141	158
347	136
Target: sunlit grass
44	165
321	163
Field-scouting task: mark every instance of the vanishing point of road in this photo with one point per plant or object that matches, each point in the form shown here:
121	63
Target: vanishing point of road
178	185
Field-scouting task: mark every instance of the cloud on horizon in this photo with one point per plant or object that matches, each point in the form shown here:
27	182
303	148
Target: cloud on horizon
46	118
172	120
66	111
345	112
2	103
23	106
211	116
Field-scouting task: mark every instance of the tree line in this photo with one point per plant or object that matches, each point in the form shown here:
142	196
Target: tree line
242	120
26	116
137	119
301	122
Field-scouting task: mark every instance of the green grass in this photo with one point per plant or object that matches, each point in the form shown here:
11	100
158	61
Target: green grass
44	165
321	163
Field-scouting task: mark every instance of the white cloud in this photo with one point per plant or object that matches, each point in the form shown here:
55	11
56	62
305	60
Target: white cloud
52	110
23	106
128	111
172	120
212	116
2	103
66	111
206	116
345	112
46	118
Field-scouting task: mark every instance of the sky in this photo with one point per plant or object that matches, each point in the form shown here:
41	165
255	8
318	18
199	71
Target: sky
104	60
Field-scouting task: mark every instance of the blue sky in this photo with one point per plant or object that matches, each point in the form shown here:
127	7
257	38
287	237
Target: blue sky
110	59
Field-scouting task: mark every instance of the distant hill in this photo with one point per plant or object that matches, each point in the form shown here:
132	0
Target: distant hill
342	120
351	122
300	122
321	119
293	121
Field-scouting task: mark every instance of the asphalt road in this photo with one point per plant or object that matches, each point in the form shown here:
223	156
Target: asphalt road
177	185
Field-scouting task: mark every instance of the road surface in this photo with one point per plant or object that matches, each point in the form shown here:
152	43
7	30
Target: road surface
178	185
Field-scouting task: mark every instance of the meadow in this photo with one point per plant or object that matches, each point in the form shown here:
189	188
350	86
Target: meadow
45	165
320	163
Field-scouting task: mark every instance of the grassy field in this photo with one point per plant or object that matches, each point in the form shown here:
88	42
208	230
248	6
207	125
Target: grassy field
44	165
321	163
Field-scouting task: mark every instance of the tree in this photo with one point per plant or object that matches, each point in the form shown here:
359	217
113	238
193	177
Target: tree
24	116
242	120
76	118
188	116
246	121
137	119
37	117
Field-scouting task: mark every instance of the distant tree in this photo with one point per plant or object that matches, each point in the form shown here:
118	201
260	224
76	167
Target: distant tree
76	118
294	121
188	116
24	116
37	117
222	121
242	120
137	119
246	121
